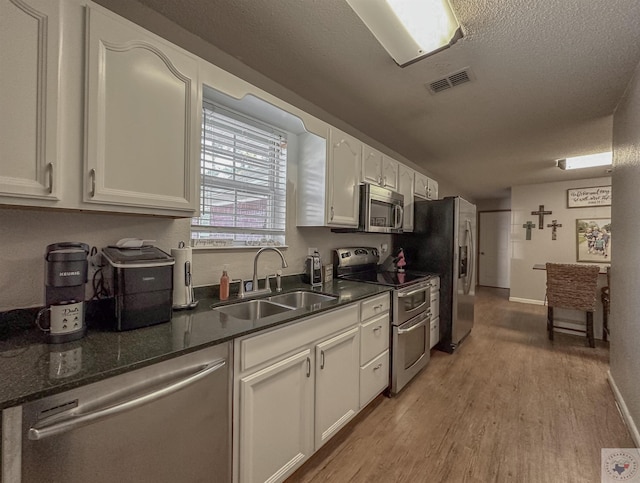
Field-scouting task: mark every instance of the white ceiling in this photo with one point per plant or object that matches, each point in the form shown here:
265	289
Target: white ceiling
547	75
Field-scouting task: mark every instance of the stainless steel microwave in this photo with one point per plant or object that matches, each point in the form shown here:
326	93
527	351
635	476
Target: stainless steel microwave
381	210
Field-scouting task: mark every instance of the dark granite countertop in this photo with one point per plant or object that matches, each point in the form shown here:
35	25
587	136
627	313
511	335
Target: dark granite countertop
30	367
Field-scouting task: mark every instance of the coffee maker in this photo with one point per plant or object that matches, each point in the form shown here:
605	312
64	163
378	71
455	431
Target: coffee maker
65	277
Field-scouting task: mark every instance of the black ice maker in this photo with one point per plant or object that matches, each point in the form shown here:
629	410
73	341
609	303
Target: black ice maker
140	282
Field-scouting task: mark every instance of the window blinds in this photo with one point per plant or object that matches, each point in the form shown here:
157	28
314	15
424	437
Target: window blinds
242	181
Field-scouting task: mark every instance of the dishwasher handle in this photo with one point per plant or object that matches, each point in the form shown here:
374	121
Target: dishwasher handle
45	431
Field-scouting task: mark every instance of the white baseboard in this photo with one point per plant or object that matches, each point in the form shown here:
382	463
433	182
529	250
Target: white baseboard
526	301
624	411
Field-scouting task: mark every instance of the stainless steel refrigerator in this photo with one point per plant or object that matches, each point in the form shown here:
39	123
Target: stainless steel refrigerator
444	242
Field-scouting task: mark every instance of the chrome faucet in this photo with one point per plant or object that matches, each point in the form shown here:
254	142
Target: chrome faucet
254	287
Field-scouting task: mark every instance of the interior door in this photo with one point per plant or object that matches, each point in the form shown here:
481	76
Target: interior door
494	257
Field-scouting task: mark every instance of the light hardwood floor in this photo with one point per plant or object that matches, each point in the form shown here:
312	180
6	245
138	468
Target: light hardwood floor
509	405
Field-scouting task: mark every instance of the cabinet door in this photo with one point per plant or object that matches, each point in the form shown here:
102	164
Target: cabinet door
342	180
337	378
276	414
405	187
374	378
434	327
29	163
143	118
421	187
432	189
390	173
374	337
371	165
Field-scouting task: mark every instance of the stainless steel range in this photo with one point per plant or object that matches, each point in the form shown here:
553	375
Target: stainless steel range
410	309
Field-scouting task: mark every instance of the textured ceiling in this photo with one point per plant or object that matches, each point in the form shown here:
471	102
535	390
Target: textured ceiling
547	75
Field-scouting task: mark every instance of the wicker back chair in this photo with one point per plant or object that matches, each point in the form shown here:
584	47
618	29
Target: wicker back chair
605	297
572	287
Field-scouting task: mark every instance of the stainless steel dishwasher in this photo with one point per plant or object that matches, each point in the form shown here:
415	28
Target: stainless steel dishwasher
168	422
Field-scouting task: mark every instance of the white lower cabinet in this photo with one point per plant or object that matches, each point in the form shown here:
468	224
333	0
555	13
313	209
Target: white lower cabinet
434	307
336	383
374	378
374	347
434	332
276	405
295	387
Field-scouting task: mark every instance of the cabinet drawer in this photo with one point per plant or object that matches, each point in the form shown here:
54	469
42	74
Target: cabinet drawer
276	343
374	378
435	304
374	306
374	337
434	334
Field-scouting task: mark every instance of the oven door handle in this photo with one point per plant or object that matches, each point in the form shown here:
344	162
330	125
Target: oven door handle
422	323
418	308
413	292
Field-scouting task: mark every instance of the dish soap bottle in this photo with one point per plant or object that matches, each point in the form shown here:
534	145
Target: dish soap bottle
224	284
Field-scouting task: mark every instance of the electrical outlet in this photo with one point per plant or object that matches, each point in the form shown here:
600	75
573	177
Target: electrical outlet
384	248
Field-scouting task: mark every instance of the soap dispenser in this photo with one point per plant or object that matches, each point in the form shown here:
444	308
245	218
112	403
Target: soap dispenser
224	284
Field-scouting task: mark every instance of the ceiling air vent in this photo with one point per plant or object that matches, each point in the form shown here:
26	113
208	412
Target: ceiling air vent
450	81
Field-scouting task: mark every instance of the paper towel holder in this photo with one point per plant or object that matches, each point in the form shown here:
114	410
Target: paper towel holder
187	284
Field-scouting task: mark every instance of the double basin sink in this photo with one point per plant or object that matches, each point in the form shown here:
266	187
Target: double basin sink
274	305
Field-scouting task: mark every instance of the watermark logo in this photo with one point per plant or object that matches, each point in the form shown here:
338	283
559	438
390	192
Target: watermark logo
620	464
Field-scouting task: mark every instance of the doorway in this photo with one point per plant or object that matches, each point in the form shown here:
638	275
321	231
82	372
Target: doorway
494	255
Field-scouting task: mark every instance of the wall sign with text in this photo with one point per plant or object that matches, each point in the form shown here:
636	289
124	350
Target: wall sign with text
586	197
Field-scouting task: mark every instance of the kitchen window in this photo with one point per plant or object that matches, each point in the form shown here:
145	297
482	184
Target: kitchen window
243	174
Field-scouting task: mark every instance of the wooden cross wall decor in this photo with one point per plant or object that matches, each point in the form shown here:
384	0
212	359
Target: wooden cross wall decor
528	225
554	225
541	214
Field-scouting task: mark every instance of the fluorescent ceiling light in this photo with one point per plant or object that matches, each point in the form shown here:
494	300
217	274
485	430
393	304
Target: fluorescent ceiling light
588	161
409	29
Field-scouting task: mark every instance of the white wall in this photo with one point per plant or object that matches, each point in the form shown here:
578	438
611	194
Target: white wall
528	285
24	235
497	204
625	278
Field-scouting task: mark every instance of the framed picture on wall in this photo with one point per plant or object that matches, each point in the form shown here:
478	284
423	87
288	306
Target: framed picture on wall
588	197
593	240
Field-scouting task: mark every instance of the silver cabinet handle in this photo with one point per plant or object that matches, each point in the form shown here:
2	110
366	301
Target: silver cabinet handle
377	367
332	213
375	329
308	367
41	430
378	307
92	174
50	166
321	360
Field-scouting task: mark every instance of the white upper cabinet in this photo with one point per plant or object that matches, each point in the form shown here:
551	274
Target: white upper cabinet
425	187
143	112
328	179
406	187
29	52
343	168
432	190
379	169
